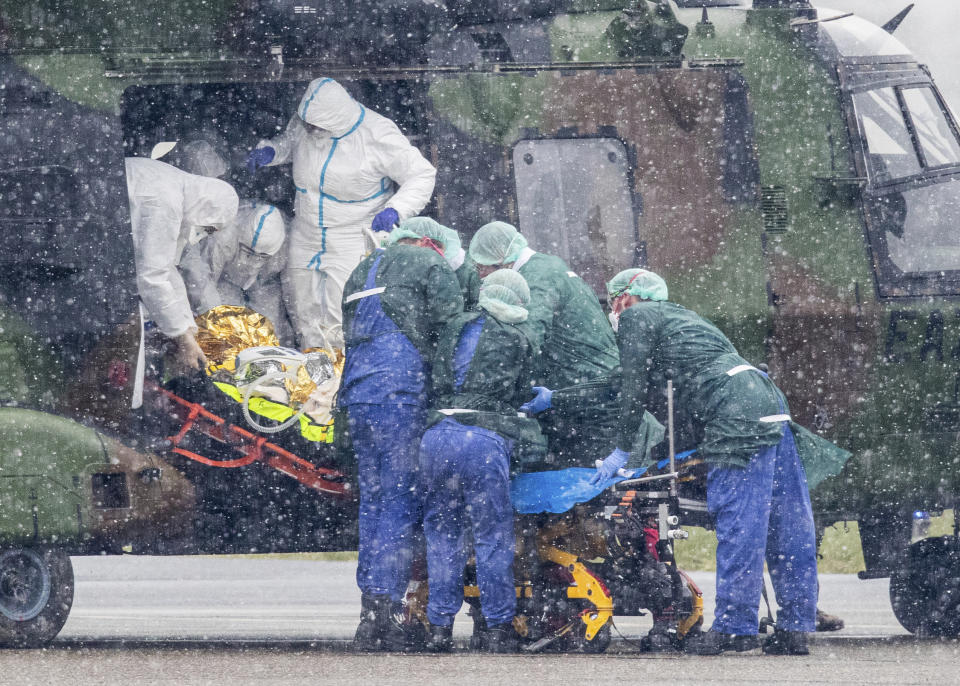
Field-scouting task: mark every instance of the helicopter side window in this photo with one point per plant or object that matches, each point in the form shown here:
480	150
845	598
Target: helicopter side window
913	231
41	213
38	192
574	201
938	141
890	151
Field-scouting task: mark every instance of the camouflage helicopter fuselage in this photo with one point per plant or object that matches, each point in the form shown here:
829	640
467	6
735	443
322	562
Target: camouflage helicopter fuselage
733	152
757	193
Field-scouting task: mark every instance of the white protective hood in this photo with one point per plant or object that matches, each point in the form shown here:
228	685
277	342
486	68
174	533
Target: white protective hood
328	105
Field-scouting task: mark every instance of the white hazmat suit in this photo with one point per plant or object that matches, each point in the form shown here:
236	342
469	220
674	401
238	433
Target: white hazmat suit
348	166
170	209
241	265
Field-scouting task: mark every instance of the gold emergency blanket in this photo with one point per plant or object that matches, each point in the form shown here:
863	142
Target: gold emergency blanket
225	330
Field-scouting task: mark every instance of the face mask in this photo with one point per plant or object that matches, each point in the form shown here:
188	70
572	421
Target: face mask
456	261
614	320
316	132
245	268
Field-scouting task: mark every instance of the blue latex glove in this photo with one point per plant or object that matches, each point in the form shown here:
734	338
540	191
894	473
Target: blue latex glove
610	465
385	220
260	157
540	402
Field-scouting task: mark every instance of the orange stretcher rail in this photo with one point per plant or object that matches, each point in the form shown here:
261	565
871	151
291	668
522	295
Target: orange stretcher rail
252	447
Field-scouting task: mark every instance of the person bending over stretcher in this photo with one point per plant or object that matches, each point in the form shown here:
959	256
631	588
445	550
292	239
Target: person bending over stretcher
757	480
480	375
395	305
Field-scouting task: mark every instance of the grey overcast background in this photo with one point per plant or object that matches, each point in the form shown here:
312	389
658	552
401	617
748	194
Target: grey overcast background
931	31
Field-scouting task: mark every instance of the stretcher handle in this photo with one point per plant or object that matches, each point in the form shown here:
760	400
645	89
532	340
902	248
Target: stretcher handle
673	457
648	479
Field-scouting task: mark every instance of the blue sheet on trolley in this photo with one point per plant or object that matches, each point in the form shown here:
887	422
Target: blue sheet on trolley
560	490
556	491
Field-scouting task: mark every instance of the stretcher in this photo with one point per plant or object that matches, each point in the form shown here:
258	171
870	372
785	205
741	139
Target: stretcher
250	447
586	553
607	552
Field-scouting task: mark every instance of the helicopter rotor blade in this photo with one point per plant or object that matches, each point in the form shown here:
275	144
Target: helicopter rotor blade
892	25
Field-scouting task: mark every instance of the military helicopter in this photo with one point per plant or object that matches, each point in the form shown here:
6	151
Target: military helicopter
791	171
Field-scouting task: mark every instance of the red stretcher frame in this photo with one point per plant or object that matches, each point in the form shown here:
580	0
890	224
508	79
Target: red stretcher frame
252	447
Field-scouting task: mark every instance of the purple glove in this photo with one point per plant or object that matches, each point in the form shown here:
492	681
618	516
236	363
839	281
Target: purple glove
385	220
260	157
611	464
539	403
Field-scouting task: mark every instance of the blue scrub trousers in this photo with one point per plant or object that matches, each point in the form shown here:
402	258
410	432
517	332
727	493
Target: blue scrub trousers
764	510
465	472
386	439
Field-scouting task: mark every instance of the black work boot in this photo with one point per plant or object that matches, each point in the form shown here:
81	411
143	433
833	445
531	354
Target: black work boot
659	639
713	643
827	622
501	638
440	639
786	643
368	633
396	634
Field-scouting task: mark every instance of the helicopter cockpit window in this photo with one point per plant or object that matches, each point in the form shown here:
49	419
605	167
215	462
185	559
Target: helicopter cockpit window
938	141
906	131
916	242
575	202
890	151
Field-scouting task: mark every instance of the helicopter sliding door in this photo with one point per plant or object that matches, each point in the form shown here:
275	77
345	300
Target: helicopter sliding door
611	168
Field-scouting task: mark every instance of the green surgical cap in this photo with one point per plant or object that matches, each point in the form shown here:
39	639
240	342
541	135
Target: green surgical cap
423	227
505	295
497	243
639	282
415	228
399	234
453	251
451	241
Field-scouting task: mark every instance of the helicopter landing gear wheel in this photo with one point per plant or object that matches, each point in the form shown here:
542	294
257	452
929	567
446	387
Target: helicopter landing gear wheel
36	593
925	593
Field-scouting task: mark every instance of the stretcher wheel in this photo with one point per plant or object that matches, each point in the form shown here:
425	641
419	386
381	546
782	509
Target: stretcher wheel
925	592
579	644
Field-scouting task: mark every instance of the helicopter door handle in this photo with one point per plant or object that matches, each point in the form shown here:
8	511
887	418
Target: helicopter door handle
773	298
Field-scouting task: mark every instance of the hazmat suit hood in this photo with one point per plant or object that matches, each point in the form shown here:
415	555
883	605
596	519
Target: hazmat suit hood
202	158
260	231
262	228
209	202
328	105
